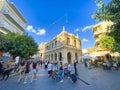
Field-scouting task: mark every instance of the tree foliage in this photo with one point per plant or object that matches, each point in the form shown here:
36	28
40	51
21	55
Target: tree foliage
107	42
22	45
110	11
3	40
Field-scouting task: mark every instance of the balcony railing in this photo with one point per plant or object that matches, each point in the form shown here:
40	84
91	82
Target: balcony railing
61	45
13	18
9	28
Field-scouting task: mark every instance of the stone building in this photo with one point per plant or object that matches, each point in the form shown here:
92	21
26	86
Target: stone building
11	19
65	47
99	31
42	50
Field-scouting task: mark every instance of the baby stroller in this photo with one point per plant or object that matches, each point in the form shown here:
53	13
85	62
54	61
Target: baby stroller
72	76
55	75
65	72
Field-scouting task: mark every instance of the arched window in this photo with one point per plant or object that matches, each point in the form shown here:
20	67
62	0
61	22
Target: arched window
52	45
69	57
68	41
51	56
56	56
60	56
55	43
75	43
76	56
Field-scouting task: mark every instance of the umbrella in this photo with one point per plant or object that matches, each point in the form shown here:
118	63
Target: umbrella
87	56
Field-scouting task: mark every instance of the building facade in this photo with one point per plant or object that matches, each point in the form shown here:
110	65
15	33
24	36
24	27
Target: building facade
100	30
65	47
11	19
42	51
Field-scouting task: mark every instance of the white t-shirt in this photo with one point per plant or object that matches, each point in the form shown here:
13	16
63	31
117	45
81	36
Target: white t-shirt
45	63
49	67
17	60
69	67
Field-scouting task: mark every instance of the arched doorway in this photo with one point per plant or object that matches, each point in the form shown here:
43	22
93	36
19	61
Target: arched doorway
55	56
76	56
49	56
60	56
69	57
52	57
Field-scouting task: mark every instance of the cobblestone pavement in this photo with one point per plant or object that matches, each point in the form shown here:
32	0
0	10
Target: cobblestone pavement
93	79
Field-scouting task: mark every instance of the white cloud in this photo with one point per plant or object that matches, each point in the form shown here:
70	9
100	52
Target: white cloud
29	28
87	28
84	40
77	30
37	32
41	32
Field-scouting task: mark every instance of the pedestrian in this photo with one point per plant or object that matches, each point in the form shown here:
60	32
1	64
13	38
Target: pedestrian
46	63
34	71
16	63
1	66
27	70
85	63
69	70
56	66
75	68
41	62
60	73
21	70
6	71
108	64
49	69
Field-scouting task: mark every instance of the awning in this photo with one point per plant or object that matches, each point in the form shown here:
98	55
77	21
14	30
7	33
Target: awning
95	54
87	56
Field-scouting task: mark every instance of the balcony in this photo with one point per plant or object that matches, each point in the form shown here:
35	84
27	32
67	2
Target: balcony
13	19
59	46
8	28
99	32
4	29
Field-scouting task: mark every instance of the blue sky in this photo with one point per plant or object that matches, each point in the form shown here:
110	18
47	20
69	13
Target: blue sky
45	18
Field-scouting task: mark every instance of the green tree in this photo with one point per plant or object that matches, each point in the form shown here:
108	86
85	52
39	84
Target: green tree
107	42
110	11
3	40
22	45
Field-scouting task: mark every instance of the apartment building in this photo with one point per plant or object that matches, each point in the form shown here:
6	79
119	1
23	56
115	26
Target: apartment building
11	20
100	30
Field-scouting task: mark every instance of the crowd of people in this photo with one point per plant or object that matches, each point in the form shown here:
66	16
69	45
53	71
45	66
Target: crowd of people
27	67
19	66
24	68
5	69
111	65
108	64
58	70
